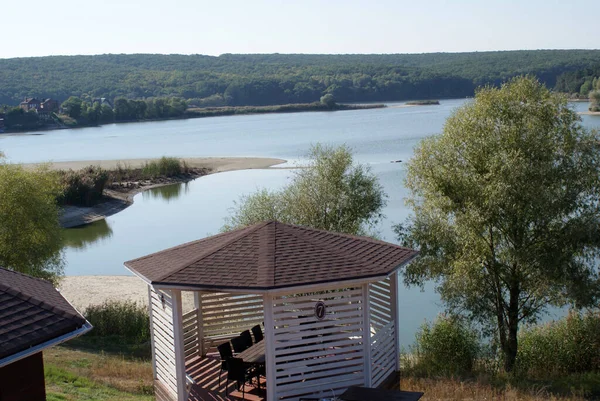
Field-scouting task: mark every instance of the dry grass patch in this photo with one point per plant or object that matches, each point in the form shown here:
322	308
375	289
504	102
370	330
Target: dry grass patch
127	375
453	389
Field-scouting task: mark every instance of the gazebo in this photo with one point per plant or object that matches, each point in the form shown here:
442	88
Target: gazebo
327	302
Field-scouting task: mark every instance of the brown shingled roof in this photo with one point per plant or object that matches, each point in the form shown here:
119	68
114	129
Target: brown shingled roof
32	312
271	255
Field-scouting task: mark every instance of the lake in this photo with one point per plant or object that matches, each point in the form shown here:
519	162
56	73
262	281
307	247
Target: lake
169	216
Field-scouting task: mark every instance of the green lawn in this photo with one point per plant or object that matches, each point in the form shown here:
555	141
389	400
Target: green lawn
74	375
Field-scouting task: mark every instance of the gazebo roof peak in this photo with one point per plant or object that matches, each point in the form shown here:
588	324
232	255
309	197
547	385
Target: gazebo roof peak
270	255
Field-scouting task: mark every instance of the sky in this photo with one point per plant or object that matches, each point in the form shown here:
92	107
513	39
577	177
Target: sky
67	27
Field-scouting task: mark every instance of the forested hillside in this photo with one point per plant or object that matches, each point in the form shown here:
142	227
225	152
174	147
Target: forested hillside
238	79
579	82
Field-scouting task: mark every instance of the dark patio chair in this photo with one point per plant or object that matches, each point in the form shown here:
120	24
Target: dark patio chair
257	333
241	373
239	344
247	338
225	352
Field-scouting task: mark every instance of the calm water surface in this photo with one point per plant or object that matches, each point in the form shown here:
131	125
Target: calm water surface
169	216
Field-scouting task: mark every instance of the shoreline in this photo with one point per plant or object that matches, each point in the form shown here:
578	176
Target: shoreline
116	201
217	111
589	113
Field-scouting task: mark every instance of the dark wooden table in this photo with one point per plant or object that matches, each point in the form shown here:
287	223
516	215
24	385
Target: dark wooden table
377	394
254	354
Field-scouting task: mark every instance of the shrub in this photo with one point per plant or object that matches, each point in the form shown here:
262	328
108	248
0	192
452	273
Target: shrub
83	187
165	166
569	345
595	100
448	347
125	319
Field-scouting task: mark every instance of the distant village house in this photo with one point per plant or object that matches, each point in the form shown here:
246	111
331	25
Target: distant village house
44	107
102	100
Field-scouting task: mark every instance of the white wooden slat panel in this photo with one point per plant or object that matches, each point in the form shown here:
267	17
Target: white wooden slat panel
291	365
314	356
324	387
382	322
191	339
282	303
325	364
225	316
162	331
310	357
231	313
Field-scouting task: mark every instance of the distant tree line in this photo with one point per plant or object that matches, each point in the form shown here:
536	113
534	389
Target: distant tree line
17	118
270	79
580	82
124	110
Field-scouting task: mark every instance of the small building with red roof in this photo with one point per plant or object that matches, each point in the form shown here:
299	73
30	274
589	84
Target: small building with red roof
33	317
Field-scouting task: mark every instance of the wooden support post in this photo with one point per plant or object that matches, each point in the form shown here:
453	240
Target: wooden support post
395	309
180	373
270	347
150	312
367	334
199	321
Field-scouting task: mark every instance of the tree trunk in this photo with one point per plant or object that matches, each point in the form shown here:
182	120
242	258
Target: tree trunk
510	346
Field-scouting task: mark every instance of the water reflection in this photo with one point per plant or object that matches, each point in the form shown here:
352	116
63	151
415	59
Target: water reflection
168	192
79	238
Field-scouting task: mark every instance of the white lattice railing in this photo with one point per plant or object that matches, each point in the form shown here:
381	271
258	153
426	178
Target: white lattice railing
318	356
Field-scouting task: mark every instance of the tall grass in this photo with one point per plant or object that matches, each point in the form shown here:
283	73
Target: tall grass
164	167
448	347
124	319
567	346
83	187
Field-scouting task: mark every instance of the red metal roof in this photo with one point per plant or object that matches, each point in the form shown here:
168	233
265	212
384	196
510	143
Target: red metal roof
32	312
271	255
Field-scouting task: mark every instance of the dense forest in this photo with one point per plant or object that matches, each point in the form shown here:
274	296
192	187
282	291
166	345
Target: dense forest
579	81
239	79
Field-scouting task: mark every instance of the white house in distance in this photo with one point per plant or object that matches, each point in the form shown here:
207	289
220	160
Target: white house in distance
327	300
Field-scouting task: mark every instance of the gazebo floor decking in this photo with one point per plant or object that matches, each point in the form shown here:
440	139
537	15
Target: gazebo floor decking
205	372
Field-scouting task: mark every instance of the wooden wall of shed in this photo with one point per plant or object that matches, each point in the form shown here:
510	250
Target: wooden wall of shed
23	380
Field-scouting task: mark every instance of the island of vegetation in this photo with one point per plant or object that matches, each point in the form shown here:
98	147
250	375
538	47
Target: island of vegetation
423	103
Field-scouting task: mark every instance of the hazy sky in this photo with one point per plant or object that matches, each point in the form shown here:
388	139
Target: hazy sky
39	28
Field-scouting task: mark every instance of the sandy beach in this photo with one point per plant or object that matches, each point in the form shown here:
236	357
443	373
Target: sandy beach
73	216
84	291
215	164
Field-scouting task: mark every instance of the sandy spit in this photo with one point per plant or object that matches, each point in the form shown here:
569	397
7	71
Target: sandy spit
216	164
73	216
84	291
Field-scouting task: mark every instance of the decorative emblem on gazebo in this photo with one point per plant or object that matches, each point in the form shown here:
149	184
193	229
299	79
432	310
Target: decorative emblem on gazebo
320	310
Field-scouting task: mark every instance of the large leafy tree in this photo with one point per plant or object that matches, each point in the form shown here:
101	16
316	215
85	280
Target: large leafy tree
332	193
506	209
30	233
